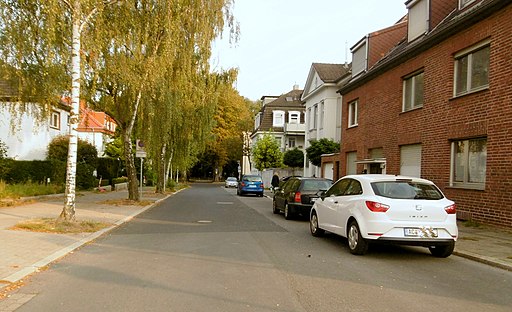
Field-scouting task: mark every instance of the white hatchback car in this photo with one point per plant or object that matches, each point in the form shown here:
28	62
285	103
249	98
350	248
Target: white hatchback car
386	208
231	182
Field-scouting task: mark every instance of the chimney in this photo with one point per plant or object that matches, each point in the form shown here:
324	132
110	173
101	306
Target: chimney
295	87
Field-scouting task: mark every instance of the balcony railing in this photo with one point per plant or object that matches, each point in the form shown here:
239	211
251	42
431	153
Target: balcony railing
295	128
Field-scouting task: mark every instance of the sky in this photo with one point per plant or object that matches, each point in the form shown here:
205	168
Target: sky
280	39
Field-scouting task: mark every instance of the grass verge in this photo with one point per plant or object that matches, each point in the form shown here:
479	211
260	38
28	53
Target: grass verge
50	225
16	191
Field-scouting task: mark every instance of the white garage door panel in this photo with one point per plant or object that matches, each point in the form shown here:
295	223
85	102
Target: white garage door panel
410	160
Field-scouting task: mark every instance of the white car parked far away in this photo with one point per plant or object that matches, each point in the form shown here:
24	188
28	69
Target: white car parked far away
386	208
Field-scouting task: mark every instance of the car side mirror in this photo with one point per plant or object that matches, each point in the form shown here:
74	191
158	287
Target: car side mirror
321	194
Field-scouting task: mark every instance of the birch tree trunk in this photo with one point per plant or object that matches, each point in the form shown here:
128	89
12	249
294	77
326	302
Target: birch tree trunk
131	171
160	186
68	212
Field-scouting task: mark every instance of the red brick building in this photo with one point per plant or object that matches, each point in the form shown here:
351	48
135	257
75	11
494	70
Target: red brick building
439	105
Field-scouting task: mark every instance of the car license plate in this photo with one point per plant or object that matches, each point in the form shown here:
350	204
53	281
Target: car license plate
426	231
252	185
313	200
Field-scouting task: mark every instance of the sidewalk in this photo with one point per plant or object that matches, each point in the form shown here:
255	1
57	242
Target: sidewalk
23	253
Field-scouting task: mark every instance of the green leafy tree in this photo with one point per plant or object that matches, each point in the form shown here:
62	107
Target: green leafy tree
41	41
86	153
87	159
266	153
294	158
319	148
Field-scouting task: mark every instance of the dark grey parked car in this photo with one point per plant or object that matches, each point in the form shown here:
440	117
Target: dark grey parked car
297	195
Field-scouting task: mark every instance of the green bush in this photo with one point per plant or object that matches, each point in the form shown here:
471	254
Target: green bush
119	180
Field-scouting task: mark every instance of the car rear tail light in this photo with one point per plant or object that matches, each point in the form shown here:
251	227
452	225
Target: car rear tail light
242	183
262	186
297	197
376	207
451	209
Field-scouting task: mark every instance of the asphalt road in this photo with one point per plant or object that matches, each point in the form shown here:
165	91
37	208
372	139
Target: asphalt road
206	249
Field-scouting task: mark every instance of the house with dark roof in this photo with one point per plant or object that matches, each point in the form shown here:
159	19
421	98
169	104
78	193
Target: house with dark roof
282	117
323	110
437	104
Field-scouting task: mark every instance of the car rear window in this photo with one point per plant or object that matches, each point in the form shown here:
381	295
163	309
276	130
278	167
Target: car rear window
315	185
406	190
252	178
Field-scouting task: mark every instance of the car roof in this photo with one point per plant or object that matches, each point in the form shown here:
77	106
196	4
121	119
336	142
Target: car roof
385	177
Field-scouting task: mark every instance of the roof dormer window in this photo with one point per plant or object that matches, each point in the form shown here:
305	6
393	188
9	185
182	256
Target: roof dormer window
294	117
359	56
418	18
278	118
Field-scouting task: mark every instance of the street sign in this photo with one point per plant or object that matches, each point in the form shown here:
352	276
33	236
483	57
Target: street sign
140	151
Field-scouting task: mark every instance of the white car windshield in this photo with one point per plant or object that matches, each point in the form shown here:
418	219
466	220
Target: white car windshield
406	190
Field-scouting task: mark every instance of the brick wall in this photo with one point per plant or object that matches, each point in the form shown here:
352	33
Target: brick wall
382	124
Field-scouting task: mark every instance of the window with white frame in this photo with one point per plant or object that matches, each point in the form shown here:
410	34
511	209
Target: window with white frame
315	116
418	19
359	57
294	117
291	142
55	120
413	92
278	118
310	119
322	115
472	70
339	104
352	114
257	121
463	3
469	162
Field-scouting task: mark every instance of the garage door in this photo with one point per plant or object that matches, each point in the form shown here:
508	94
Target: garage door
328	170
410	160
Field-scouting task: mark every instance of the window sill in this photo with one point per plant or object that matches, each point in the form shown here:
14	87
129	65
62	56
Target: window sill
352	126
467	187
411	110
481	89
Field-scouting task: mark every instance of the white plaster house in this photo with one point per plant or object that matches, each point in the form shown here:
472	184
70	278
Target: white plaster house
323	108
283	117
28	139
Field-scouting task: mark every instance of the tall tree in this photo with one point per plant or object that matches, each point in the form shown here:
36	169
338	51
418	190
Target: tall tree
266	153
156	57
320	147
42	44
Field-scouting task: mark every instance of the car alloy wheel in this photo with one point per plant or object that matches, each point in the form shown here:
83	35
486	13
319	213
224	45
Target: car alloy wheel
356	243
313	226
